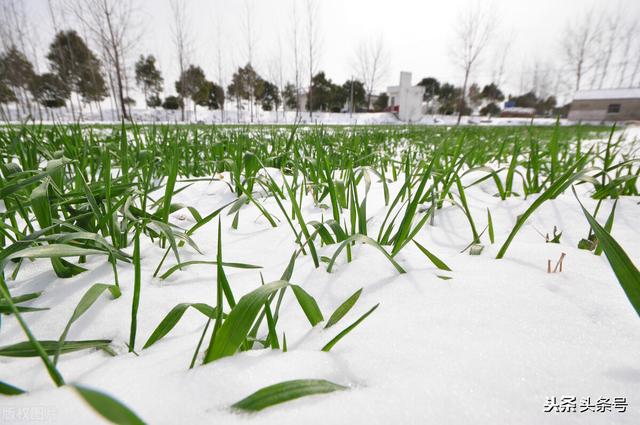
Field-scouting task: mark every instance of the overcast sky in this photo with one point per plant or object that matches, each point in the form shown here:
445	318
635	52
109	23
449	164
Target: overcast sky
418	34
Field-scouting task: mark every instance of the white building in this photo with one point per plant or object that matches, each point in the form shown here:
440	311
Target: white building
606	105
405	99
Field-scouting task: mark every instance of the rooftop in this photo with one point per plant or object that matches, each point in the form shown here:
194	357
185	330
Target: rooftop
625	93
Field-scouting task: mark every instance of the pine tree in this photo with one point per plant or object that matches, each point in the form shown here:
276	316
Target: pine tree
149	79
18	75
191	84
77	66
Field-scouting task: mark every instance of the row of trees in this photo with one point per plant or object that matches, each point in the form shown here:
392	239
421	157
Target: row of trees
92	63
78	76
249	89
447	99
76	70
73	70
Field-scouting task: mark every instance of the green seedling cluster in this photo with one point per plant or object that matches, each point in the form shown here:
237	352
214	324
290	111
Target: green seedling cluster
68	192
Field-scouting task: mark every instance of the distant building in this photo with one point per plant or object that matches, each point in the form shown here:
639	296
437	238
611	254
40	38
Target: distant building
405	99
510	111
606	105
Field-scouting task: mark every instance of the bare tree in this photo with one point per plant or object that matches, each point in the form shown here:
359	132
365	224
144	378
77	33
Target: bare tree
295	46
313	47
54	22
111	24
372	64
219	61
541	79
610	44
474	30
250	41
579	43
276	75
628	39
181	42
500	59
636	68
16	32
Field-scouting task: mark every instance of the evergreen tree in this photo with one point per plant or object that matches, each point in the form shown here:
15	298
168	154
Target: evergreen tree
77	66
451	101
149	79
359	94
431	88
490	109
326	95
172	103
474	95
17	74
216	96
50	91
268	95
6	94
492	92
190	85
92	86
381	103
290	96
154	101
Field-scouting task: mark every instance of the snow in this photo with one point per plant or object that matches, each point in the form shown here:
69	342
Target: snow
622	93
231	116
486	347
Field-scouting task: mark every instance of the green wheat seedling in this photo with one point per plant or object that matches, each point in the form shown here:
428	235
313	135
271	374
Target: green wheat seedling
74	196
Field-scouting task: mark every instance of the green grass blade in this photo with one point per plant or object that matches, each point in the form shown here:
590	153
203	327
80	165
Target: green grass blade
135	302
53	251
7	389
84	304
186	264
432	257
24	182
348	329
554	190
22	298
170	185
308	304
343	309
285	391
626	272
174	316
108	407
607	226
50	347
33	343
235	328
492	237
366	240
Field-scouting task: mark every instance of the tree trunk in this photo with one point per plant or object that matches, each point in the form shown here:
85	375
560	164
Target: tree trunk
463	94
79	106
18	114
116	57
309	100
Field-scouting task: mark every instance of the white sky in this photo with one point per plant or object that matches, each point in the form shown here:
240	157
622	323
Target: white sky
416	33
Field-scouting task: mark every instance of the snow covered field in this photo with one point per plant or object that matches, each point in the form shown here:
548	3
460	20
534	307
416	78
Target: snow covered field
490	345
233	116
